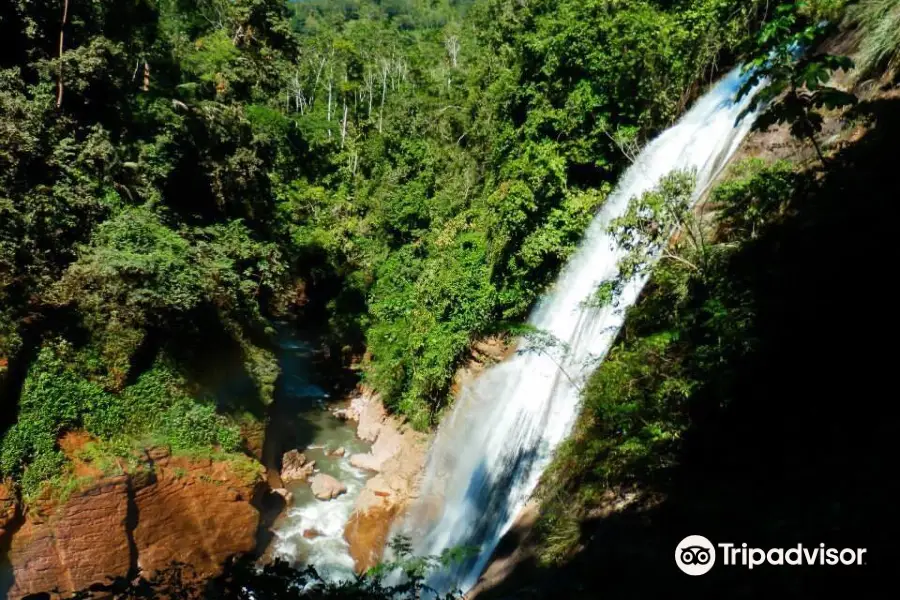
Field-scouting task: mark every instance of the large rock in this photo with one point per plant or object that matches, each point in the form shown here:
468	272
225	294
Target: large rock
387	445
326	487
197	512
365	461
294	467
368	533
370	415
398	454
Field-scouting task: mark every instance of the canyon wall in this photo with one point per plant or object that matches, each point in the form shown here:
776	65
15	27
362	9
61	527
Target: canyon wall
169	509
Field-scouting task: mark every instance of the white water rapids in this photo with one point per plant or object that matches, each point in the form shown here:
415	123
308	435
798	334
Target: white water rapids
491	450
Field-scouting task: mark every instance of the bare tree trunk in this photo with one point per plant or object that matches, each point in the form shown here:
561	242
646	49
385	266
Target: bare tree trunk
329	102
62	33
312	97
369	78
452	45
385	66
146	86
811	134
344	126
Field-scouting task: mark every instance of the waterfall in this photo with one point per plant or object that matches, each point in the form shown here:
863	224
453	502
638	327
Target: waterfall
490	451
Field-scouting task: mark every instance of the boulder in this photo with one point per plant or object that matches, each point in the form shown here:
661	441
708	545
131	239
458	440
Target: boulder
387	446
365	461
195	512
326	487
294	467
338	452
312	533
367	533
370	415
343	414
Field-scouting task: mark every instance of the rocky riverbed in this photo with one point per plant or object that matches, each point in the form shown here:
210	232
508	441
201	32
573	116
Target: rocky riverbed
357	474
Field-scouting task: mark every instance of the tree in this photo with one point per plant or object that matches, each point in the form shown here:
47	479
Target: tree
794	83
658	224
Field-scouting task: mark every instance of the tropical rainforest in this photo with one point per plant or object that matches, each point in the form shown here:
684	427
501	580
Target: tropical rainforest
408	176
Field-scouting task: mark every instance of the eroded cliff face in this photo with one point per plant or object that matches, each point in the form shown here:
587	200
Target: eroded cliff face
170	509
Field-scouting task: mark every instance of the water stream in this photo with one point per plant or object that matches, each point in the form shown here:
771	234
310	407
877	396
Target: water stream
304	421
491	450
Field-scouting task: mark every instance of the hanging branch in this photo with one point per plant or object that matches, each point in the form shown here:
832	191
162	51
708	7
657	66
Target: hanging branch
62	33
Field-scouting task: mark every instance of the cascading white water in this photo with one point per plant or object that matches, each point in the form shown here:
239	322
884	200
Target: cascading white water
491	450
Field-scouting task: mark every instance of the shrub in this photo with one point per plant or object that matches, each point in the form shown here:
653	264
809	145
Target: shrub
56	398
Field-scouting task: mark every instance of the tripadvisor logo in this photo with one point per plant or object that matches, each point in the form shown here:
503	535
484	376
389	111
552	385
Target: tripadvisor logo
696	555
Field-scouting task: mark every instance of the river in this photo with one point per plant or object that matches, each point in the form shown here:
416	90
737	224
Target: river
302	419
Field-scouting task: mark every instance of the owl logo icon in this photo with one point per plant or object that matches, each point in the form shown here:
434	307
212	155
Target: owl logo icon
695	555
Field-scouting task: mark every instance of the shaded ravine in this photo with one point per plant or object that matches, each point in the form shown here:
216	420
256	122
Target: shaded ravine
311	531
491	450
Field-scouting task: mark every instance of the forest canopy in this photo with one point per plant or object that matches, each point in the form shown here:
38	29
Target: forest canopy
409	173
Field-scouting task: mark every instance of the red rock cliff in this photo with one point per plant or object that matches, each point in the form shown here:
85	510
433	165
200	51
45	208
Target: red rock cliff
198	512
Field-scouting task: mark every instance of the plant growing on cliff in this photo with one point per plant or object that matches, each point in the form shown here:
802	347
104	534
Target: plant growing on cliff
793	76
880	41
660	224
58	397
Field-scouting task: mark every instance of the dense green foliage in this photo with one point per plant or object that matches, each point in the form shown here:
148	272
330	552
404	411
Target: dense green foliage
136	217
402	578
57	396
475	154
174	173
171	171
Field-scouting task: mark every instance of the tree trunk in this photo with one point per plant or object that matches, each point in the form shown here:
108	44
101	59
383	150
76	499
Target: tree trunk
815	143
384	74
344	127
329	102
62	34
